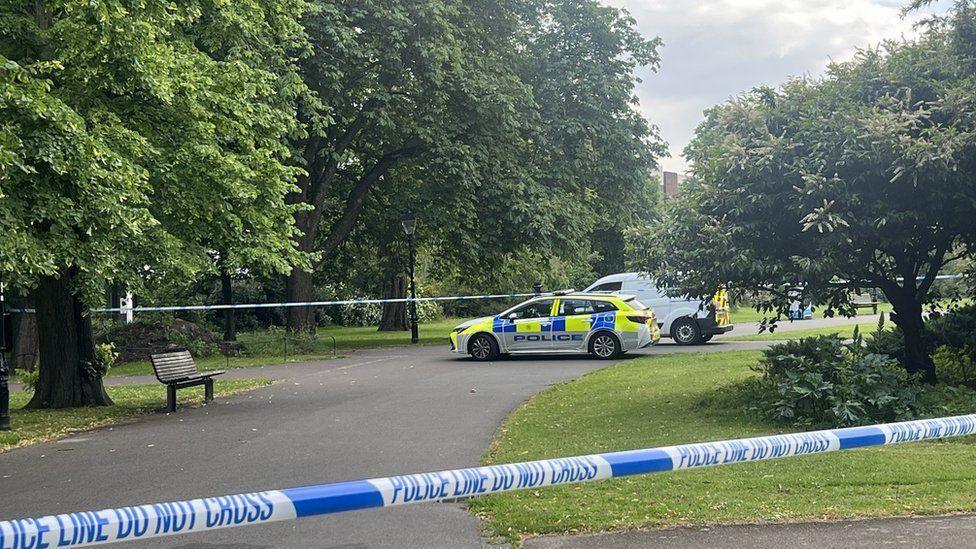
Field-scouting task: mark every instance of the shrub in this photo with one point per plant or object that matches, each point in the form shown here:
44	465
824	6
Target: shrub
27	378
955	367
371	314
954	330
138	340
821	382
886	342
103	360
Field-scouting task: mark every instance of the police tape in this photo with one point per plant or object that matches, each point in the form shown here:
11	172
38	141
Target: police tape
298	303
198	515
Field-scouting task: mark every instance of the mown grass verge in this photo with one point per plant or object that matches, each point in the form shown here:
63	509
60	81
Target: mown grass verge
33	426
267	347
745	313
844	331
665	400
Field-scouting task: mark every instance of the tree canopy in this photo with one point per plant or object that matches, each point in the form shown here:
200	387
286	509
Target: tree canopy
138	136
861	179
499	120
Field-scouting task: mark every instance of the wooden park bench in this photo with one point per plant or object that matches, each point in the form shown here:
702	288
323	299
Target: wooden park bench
866	301
177	370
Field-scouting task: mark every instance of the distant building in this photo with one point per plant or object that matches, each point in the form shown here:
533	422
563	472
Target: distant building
670	183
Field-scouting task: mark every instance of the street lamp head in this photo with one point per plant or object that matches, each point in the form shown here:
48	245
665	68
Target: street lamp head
409	223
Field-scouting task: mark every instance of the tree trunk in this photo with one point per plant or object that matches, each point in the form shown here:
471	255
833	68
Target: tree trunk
394	314
23	356
67	348
227	298
299	288
908	317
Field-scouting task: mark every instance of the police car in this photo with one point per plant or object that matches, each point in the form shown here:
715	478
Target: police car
605	326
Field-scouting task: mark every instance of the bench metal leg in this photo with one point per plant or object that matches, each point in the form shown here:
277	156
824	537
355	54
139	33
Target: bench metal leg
208	390
171	398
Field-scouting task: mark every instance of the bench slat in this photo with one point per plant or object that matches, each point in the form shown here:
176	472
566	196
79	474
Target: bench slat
174	366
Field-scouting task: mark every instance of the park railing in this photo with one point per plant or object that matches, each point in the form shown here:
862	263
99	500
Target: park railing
198	515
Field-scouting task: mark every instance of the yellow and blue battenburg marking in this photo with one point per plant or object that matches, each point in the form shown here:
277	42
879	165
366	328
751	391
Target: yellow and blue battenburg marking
198	515
500	325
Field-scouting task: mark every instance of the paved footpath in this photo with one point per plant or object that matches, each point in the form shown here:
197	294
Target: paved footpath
374	413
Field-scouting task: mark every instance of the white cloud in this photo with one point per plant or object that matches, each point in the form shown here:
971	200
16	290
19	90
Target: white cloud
715	49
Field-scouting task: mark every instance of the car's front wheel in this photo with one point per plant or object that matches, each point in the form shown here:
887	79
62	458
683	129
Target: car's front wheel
483	347
686	332
605	346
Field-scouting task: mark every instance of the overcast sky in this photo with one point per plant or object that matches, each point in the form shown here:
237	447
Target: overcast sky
715	49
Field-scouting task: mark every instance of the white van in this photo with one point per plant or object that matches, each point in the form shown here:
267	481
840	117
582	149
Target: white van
684	320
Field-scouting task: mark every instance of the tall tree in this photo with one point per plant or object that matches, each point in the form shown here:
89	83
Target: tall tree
510	117
864	178
394	80
127	135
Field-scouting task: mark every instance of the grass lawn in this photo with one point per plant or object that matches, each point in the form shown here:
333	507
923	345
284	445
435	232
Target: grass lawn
279	347
664	400
745	313
32	426
846	331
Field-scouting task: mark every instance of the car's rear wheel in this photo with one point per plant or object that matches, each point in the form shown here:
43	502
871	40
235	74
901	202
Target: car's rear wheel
686	332
707	338
605	345
483	347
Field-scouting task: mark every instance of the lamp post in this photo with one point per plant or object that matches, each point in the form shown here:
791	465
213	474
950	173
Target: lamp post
409	223
4	370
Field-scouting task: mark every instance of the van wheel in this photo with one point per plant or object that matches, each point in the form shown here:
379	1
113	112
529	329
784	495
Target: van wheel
483	348
686	332
605	345
706	339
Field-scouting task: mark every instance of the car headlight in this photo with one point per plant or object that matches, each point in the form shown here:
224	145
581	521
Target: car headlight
459	329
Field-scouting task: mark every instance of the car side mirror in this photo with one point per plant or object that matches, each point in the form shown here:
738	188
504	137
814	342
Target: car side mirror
513	316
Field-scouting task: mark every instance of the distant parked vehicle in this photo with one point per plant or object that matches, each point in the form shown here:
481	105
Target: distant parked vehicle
682	319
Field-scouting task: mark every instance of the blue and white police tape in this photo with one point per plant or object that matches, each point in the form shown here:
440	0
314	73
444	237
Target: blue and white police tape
198	515
296	304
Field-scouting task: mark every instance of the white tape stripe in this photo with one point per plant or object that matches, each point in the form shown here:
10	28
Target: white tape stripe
142	522
705	454
297	304
490	479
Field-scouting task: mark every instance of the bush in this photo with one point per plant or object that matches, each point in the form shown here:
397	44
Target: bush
371	314
886	342
27	378
822	382
138	340
955	367
954	330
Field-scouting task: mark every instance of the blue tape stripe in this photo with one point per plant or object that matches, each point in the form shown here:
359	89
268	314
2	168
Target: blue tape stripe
146	521
858	437
334	498
638	462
